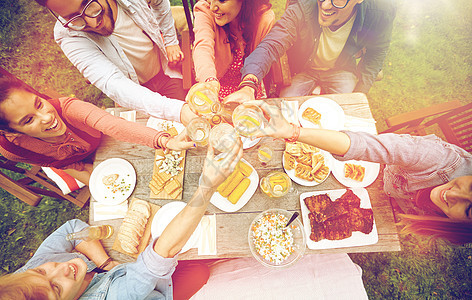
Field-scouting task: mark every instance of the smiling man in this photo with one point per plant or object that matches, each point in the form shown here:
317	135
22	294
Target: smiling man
322	38
126	49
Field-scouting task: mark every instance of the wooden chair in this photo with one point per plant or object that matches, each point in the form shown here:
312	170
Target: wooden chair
279	74
20	178
453	119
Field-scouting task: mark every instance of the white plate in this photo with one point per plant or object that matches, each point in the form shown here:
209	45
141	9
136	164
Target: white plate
371	172
291	173
164	216
357	239
163	125
126	173
332	115
248	142
225	205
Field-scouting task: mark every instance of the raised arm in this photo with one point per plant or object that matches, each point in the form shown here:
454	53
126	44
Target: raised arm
183	225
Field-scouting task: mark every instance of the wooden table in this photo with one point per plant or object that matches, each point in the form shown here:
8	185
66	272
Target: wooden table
232	228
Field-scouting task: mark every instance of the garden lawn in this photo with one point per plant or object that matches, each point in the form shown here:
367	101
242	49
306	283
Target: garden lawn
429	61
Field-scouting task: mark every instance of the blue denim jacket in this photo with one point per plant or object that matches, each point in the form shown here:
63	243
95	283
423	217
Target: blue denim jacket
147	278
298	32
412	162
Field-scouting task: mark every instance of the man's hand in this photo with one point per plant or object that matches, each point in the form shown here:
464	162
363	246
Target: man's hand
216	171
243	95
174	55
180	142
278	125
186	114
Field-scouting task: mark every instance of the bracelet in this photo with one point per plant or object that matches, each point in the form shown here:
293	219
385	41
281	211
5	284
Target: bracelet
106	263
250	84
211	79
159	140
295	134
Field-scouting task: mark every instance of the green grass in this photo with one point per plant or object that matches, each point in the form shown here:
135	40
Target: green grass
429	61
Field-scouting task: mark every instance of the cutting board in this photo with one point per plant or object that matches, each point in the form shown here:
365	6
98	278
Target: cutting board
179	177
146	235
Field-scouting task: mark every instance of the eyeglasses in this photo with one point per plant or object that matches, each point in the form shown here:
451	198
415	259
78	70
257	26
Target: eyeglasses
92	10
338	3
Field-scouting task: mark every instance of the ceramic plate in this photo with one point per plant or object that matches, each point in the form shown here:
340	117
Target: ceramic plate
122	187
248	142
291	173
371	172
357	239
332	115
164	216
225	205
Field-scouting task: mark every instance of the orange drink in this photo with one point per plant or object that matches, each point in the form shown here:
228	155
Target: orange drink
276	184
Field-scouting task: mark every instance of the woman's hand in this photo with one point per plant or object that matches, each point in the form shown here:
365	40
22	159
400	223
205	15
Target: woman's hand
174	55
278	125
179	142
216	171
240	96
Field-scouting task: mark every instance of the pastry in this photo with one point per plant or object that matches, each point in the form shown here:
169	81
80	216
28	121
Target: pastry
239	191
354	171
304	159
289	161
303	172
312	115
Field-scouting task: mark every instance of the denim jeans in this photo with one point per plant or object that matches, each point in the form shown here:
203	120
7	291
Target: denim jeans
331	82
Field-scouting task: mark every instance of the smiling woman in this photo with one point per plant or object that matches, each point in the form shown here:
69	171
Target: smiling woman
64	133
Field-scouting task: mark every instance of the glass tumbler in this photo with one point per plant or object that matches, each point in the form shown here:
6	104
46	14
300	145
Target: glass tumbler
199	131
223	137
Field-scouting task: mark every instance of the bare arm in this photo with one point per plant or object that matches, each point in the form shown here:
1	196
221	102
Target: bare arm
95	252
330	140
182	226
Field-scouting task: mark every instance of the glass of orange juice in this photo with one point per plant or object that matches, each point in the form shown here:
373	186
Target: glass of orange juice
276	184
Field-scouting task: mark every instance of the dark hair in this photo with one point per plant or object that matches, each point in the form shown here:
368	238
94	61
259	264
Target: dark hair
249	16
455	231
7	85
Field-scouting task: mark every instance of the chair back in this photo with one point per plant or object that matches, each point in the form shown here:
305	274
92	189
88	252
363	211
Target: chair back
456	126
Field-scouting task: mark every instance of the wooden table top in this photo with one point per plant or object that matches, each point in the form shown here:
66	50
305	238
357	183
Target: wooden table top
232	228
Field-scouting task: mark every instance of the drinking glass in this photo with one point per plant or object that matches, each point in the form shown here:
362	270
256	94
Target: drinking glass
276	184
223	137
201	99
248	119
199	130
264	154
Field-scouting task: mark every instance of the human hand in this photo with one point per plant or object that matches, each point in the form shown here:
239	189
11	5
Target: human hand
179	142
216	171
186	114
278	126
174	54
240	96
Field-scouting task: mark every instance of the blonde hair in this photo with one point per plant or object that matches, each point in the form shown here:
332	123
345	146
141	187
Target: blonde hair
20	286
455	231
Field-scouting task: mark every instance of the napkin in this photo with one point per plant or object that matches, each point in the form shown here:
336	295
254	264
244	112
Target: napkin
107	212
290	111
128	115
207	242
360	124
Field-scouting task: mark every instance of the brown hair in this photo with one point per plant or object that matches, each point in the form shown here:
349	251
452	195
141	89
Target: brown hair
249	16
455	231
21	287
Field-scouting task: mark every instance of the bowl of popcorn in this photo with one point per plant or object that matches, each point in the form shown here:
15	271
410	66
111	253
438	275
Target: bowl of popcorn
272	243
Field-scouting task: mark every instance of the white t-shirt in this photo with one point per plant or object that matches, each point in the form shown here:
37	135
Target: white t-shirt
138	47
331	44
